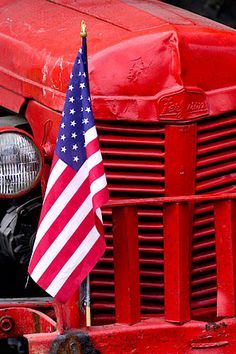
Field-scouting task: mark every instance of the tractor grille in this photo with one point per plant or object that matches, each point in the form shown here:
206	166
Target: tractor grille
215	173
133	156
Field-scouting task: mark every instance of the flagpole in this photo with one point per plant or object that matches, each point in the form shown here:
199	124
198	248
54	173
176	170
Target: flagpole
83	34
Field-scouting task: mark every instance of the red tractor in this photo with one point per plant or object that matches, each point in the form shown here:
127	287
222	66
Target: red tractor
163	86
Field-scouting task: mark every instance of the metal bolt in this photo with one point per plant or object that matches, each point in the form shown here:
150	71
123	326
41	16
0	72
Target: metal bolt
6	323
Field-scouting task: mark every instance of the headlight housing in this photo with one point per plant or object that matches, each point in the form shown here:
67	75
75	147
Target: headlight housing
20	163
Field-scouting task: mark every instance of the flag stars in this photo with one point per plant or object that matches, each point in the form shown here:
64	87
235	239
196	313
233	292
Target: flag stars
76	159
73	123
84	75
72	111
85	121
89	99
63	113
74	135
71	87
71	75
78	62
71	99
82	85
88	109
63	137
79	73
75	147
63	149
81	98
63	125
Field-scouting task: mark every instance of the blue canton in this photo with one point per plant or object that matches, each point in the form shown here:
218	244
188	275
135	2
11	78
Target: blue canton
77	116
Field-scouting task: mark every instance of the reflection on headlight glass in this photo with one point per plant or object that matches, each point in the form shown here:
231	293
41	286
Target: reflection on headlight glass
20	163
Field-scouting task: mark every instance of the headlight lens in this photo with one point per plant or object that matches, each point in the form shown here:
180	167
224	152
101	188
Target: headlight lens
20	163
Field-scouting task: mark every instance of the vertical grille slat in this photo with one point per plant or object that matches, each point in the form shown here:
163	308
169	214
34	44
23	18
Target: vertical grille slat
133	155
215	173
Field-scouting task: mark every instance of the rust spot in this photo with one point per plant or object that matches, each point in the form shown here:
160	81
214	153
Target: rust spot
36	321
209	345
214	326
73	343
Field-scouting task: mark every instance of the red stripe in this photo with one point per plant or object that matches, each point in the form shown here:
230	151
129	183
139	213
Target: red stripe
56	190
92	147
80	273
67	251
54	161
96	172
100	198
59	224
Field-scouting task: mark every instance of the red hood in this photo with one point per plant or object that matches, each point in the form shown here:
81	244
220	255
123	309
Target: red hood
139	51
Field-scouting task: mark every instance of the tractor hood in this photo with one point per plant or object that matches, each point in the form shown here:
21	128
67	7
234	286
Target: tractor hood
147	60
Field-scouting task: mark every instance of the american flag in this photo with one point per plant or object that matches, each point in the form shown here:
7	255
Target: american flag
69	239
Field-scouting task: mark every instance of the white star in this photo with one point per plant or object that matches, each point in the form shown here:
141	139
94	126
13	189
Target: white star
82	85
75	147
80	51
81	109
63	149
81	97
84	75
71	99
76	159
88	109
63	113
73	123
72	111
74	135
71	87
85	121
71	75
89	99
62	125
79	73
63	137
78	61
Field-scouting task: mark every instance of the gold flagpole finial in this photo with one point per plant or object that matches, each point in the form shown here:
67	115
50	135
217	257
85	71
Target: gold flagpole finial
83	29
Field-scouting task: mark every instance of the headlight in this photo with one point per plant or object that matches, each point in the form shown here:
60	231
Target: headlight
20	163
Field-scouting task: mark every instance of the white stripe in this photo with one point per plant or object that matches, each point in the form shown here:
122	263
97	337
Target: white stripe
94	159
90	135
57	170
66	196
62	238
99	214
73	262
66	233
98	184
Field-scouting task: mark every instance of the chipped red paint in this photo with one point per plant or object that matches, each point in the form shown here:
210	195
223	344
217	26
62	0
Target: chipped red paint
152	66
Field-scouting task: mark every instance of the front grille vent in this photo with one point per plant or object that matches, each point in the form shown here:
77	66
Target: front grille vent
215	173
133	155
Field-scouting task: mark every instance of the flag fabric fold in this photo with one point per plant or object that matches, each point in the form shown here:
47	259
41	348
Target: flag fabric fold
69	239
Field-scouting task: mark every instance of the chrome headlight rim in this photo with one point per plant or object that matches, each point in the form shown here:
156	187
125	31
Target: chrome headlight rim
41	161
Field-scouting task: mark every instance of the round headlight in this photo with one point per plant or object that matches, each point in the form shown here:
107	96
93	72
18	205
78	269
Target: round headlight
20	163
